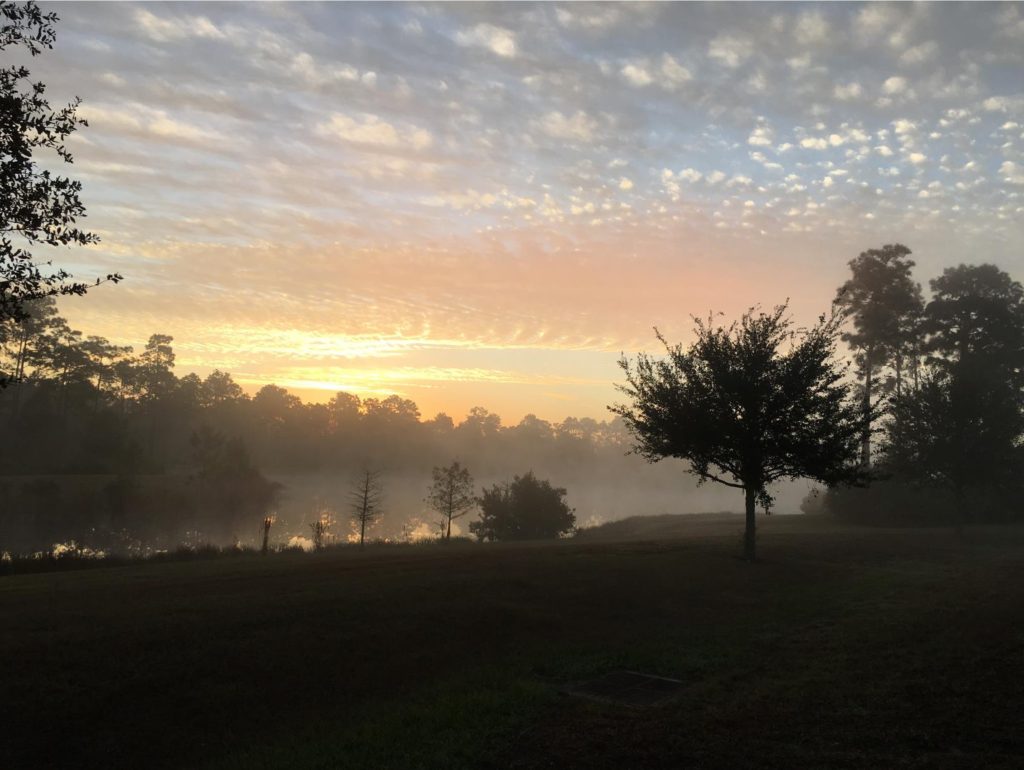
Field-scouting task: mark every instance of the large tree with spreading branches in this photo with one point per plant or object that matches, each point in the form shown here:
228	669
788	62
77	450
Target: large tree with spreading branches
747	405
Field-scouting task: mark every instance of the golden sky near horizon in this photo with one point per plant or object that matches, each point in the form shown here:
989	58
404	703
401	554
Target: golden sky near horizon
485	204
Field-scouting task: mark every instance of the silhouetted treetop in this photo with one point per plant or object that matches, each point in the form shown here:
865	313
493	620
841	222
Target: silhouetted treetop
37	207
527	508
976	313
451	495
884	305
959	431
746	405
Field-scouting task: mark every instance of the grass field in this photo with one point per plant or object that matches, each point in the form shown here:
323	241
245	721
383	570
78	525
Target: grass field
841	648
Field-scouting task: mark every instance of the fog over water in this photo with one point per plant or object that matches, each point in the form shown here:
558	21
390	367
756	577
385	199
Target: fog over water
597	499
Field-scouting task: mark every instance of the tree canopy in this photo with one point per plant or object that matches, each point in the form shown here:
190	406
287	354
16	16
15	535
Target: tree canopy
528	508
884	306
976	315
451	495
746	405
113	427
37	207
951	439
962	429
960	432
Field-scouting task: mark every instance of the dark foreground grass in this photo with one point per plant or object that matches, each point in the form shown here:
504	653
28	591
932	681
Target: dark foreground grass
842	648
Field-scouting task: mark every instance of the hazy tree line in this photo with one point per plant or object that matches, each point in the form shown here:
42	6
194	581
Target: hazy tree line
930	427
106	443
111	442
942	380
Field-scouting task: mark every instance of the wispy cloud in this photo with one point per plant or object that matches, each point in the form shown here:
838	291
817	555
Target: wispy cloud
296	185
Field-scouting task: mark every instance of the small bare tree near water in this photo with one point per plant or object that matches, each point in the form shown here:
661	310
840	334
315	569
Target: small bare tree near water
365	501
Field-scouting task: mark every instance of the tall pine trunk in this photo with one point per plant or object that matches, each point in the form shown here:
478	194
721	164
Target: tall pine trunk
750	534
897	427
267	523
865	441
19	374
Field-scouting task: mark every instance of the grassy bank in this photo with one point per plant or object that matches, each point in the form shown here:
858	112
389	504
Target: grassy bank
842	648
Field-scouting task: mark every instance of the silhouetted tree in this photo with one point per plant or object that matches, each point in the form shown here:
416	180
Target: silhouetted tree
451	495
189	394
961	431
480	424
37	207
885	306
231	489
321	530
83	406
526	509
746	405
273	404
219	388
365	501
344	410
23	341
441	426
154	368
393	411
976	318
268	522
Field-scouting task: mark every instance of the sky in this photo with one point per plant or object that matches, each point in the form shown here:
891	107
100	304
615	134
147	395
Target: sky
487	204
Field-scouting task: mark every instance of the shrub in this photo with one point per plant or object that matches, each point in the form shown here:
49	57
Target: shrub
525	509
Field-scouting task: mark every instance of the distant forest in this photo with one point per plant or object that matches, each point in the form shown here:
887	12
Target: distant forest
110	447
113	445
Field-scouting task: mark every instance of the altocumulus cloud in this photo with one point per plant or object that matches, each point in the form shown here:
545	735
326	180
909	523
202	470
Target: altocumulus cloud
447	171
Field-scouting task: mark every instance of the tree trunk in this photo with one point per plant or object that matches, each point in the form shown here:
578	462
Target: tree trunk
749	542
19	375
266	537
865	441
451	508
19	367
897	428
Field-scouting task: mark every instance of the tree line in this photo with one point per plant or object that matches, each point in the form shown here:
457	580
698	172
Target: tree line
941	382
929	428
111	440
930	425
82	405
925	426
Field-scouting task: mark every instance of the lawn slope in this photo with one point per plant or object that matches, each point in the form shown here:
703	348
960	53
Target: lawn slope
842	648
